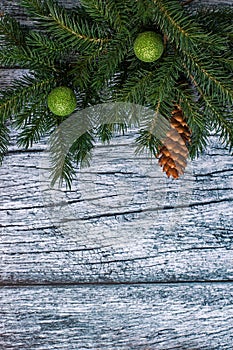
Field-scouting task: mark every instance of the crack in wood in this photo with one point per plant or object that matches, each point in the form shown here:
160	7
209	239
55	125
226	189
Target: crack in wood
151	209
57	284
214	172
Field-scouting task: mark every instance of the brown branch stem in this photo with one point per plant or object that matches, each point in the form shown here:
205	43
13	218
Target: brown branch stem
187	2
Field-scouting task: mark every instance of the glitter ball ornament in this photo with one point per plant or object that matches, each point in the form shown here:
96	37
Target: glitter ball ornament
148	46
62	101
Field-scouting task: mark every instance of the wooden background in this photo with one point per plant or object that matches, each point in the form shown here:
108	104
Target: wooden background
143	262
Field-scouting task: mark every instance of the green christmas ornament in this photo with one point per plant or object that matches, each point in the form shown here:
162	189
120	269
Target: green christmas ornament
62	101
148	46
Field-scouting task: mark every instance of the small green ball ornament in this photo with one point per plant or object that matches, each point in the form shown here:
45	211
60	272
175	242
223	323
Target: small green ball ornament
148	46
62	101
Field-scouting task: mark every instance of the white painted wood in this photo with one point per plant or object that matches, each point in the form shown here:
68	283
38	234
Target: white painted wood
151	317
130	223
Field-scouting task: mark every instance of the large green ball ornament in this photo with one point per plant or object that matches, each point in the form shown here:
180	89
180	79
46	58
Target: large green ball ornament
148	46
62	101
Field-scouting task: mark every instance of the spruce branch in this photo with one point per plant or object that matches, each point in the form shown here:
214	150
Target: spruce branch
109	62
144	12
134	87
22	91
220	120
105	132
62	171
82	147
115	13
164	79
96	9
27	58
210	76
187	98
4	140
45	46
219	117
63	157
181	28
82	71
33	126
215	19
11	32
117	19
160	97
35	8
71	30
90	49
77	31
61	161
147	141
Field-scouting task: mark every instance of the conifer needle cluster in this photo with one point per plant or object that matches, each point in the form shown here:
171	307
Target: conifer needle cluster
89	49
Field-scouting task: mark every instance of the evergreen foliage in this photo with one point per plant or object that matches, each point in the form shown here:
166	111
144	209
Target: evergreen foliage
90	50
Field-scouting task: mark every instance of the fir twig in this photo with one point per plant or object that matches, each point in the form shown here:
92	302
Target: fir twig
19	95
90	49
4	140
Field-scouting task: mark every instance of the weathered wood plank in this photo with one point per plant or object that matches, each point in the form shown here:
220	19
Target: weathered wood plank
128	222
8	75
14	8
161	317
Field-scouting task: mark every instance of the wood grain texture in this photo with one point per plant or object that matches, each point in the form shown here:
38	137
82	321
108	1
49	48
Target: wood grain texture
126	221
151	317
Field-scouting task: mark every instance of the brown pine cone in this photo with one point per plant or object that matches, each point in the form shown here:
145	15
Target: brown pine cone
174	153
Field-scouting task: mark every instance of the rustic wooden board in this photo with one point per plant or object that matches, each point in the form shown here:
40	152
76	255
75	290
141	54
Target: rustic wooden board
145	317
126	221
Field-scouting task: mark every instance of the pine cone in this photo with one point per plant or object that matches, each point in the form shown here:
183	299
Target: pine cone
174	153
